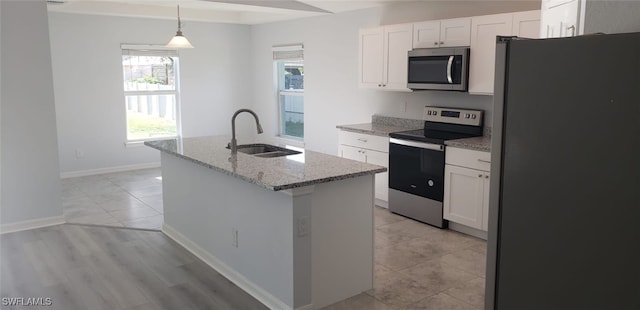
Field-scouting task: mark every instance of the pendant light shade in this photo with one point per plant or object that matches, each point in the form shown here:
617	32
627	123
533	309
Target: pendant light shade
179	41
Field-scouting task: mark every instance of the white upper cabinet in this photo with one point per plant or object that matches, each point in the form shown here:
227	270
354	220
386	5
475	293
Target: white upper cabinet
371	50
397	44
383	57
426	34
527	24
484	30
442	33
560	18
383	50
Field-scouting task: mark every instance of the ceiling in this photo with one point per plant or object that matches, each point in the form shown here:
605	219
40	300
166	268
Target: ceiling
223	11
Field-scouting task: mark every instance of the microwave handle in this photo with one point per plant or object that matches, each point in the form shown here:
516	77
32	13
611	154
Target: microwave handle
449	64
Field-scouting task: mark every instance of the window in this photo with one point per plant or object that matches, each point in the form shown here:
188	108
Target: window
289	67
151	91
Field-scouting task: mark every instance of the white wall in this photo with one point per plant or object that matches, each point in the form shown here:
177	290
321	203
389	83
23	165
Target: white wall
611	16
332	96
30	171
87	70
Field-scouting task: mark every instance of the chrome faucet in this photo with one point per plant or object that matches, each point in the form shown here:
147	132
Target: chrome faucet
233	145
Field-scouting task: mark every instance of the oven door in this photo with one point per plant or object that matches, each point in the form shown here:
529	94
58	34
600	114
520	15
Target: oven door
417	168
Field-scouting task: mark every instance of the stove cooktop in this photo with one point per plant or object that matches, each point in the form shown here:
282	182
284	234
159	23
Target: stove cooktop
430	136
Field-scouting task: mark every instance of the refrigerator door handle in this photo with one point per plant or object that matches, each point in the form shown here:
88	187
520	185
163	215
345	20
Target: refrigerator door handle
449	64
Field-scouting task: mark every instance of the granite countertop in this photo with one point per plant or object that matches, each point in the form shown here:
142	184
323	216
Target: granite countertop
373	128
476	143
384	125
275	174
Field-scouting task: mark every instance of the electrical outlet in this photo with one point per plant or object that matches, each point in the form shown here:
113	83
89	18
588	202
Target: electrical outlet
303	226
403	106
234	237
79	153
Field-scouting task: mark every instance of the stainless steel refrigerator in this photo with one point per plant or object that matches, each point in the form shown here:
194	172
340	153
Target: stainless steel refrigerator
564	214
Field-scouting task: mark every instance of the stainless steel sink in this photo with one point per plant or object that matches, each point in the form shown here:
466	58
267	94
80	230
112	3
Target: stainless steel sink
265	150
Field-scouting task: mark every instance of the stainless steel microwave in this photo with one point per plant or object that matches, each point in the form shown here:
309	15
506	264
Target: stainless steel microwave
439	69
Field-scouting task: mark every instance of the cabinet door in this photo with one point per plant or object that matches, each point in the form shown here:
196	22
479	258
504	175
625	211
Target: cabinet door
560	20
484	30
485	202
526	24
350	152
397	43
426	34
371	58
382	179
463	195
455	32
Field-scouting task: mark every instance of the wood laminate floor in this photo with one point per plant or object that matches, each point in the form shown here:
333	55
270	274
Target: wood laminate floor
91	267
87	267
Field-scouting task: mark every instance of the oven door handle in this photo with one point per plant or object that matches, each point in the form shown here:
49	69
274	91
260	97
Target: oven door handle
449	64
422	145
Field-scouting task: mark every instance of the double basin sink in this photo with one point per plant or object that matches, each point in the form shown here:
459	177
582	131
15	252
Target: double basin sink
265	150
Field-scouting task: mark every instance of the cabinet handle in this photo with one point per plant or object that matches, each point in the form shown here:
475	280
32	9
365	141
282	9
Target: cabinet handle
435	43
441	43
379	85
479	175
486	176
362	139
573	30
484	161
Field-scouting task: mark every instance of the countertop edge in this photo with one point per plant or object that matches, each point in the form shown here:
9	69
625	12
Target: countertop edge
364	131
480	145
267	186
382	133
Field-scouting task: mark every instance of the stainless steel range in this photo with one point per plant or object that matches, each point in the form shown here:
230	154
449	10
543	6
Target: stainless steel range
416	162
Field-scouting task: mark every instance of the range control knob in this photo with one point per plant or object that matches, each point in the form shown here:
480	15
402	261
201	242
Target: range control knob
435	112
429	112
473	116
431	183
467	115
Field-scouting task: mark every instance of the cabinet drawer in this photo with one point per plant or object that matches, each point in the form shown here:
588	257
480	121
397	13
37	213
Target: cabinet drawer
371	142
468	158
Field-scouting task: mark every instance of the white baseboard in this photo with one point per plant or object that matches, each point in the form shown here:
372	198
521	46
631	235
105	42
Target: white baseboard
381	203
245	284
468	230
31	224
84	173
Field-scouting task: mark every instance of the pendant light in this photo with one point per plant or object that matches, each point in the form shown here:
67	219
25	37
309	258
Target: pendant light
179	41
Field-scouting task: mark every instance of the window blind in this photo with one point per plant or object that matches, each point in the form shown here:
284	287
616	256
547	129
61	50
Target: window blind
291	52
147	50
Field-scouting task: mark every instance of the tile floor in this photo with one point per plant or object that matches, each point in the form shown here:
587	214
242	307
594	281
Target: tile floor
416	266
421	267
129	199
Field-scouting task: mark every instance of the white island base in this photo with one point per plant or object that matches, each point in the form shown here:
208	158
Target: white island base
302	248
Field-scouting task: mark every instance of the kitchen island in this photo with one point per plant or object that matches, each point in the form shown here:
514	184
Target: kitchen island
296	232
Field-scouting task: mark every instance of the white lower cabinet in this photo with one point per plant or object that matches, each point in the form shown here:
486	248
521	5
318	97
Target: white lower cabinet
368	149
466	191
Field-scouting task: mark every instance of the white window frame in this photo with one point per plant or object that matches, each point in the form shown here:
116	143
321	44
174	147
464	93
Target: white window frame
175	93
283	53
